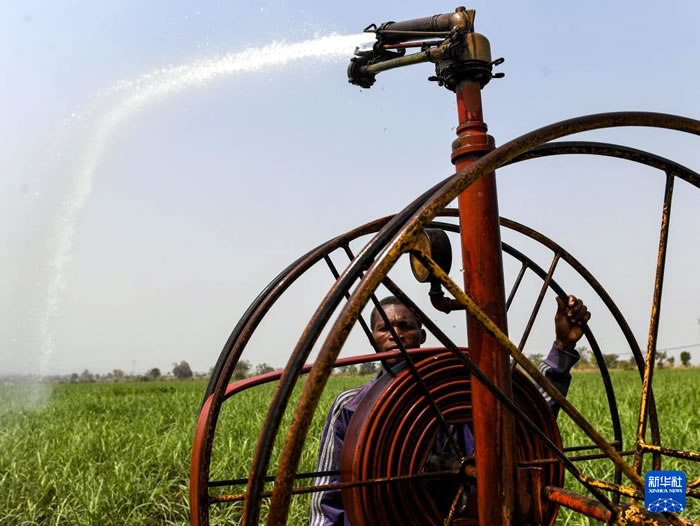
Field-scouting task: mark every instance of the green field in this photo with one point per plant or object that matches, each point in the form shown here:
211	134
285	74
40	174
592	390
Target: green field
118	453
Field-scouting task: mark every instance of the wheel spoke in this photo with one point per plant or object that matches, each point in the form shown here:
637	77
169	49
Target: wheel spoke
368	331
654	325
516	285
270	478
360	319
454	506
343	485
538	303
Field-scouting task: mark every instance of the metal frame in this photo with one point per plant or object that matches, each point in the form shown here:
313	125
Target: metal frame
402	234
395	238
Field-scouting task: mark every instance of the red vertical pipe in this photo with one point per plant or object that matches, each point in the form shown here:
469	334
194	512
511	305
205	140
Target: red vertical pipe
494	435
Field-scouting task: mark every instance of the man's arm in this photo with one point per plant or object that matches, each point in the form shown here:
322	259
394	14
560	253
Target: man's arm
556	367
569	325
327	506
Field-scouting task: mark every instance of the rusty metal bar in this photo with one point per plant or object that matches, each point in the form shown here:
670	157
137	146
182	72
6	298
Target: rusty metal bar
677	453
589	447
604	296
454	506
596	286
482	261
538	303
604	373
617	488
254	381
576	502
361	320
342	485
578	458
654	321
516	285
530	479
609	150
270	478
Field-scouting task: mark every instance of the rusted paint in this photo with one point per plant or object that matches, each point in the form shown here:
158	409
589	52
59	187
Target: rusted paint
677	453
530	485
589	507
616	488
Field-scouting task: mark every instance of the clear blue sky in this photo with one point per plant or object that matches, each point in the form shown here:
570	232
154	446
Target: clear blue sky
200	196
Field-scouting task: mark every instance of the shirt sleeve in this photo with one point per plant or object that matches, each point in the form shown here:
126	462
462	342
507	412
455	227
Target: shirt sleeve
557	369
327	506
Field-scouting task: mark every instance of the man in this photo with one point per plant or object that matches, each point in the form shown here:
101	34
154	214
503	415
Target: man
327	507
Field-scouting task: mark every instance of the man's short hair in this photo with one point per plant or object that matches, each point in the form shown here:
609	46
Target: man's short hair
375	318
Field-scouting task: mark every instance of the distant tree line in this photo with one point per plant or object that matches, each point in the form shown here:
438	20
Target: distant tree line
362	369
179	371
614	361
244	369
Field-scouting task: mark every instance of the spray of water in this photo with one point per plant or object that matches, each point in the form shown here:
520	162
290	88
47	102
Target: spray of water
118	104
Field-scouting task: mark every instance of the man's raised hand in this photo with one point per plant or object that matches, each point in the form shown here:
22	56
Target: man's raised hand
570	322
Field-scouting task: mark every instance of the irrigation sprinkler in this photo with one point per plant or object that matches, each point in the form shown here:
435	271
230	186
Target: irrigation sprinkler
516	473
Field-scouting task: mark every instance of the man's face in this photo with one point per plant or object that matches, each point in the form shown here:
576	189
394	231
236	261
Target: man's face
405	325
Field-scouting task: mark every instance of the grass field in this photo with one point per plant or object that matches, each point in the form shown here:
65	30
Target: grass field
103	454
